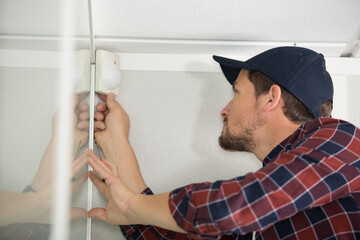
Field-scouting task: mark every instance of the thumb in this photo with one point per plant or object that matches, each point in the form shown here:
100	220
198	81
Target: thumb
111	102
99	213
77	213
100	185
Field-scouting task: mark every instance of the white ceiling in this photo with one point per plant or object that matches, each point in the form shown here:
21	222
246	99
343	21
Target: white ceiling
261	20
332	26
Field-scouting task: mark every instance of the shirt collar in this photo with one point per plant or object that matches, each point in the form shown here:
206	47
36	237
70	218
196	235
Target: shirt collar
293	138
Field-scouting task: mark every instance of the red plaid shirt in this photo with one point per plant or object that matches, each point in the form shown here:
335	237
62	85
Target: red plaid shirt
308	188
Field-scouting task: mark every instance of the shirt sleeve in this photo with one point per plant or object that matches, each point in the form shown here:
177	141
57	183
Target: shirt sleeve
142	232
312	172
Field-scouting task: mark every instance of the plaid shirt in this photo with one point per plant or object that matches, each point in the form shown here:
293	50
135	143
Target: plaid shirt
308	188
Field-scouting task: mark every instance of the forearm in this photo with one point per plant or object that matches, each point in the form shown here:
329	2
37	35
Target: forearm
45	166
152	210
122	155
18	207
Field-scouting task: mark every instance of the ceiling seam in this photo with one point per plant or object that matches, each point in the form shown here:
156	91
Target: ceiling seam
353	45
172	41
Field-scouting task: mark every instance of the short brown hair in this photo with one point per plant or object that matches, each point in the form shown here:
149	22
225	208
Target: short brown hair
293	109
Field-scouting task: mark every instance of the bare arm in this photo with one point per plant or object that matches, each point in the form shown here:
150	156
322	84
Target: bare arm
112	134
23	207
126	204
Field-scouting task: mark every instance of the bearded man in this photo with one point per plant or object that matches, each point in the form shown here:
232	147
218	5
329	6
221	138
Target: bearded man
308	187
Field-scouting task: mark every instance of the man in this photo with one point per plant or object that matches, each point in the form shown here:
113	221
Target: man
308	187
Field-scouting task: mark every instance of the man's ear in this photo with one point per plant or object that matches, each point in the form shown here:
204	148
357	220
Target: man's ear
273	98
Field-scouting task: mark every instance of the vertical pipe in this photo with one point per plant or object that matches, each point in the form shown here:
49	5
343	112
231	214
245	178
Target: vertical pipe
91	109
91	143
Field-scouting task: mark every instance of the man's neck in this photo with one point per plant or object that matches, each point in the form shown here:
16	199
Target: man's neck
272	134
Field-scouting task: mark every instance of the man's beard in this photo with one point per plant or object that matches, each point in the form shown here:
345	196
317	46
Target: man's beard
243	142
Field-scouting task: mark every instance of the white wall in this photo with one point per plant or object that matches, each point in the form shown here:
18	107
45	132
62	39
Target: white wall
27	105
353	99
175	123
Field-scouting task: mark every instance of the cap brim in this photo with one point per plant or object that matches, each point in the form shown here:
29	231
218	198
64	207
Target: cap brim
231	68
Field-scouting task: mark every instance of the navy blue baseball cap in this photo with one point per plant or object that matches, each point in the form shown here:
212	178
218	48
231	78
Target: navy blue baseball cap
299	70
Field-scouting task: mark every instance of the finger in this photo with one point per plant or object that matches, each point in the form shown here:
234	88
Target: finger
81	137
83	106
83	125
99	213
77	213
79	181
83	155
101	107
82	158
112	167
102	170
98	163
83	116
98	125
111	103
100	166
99	116
79	163
102	97
100	185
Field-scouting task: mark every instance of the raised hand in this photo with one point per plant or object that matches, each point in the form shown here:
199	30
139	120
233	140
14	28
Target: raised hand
112	133
112	124
114	189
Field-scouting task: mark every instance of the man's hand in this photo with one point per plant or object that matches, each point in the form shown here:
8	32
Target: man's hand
112	124
125	206
115	191
112	133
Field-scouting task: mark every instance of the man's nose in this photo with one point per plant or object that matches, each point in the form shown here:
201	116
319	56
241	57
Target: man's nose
225	112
